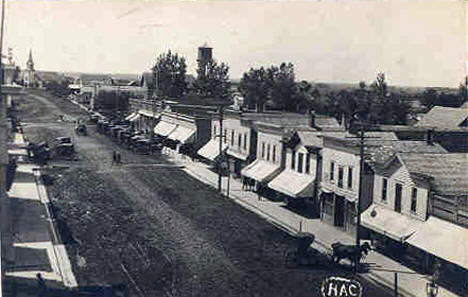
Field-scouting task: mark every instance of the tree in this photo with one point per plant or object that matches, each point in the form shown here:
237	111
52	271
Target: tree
283	88
254	87
379	86
430	97
213	81
169	73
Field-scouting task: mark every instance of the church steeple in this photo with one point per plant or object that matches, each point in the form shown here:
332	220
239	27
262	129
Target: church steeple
30	63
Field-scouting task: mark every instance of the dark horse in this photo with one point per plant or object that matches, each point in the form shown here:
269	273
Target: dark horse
352	252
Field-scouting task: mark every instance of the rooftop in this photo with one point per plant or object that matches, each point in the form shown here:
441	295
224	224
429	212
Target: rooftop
444	117
449	171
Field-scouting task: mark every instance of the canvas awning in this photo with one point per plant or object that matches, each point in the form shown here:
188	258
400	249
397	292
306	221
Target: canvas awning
182	134
444	240
164	128
261	171
237	154
148	113
134	118
293	184
389	222
210	150
130	116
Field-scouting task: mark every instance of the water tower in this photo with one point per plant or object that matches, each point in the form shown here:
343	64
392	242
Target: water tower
205	56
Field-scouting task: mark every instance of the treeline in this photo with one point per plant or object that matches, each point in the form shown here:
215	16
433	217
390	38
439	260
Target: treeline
276	87
58	87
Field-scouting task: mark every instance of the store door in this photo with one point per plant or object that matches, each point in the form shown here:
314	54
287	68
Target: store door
339	211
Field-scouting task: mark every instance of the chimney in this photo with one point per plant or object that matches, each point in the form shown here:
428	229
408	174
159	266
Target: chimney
311	120
430	137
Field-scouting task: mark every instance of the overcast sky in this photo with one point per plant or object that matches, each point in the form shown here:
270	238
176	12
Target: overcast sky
414	43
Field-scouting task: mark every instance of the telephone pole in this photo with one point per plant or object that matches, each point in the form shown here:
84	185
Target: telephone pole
220	158
361	177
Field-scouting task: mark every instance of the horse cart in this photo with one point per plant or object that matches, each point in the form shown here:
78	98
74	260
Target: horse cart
353	253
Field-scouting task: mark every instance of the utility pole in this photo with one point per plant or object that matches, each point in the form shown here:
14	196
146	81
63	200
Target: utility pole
361	177
221	138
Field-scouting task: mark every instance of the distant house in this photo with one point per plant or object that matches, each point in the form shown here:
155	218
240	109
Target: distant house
447	126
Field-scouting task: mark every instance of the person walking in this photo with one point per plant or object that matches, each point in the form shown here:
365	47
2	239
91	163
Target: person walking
114	157
118	158
41	286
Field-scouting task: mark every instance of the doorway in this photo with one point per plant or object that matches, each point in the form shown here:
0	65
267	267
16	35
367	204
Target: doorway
339	211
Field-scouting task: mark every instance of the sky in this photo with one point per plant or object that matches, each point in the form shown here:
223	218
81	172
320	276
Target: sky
416	43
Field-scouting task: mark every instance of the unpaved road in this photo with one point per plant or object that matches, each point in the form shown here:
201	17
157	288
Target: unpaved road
159	230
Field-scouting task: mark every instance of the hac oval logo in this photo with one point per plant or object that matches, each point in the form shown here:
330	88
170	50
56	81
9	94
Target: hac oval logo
334	286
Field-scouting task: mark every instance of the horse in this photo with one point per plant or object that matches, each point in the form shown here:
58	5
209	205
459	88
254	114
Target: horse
352	252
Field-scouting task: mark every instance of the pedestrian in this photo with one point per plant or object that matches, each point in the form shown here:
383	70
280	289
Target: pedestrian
114	157
118	158
41	285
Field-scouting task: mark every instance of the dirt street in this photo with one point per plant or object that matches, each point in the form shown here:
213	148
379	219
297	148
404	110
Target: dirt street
157	229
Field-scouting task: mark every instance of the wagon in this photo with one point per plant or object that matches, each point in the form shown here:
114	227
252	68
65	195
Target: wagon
303	254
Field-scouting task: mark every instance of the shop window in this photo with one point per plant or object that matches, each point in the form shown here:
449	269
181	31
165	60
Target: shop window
274	153
239	140
263	150
245	141
225	136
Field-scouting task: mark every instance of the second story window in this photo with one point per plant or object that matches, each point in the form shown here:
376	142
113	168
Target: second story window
225	136
300	162
350	177
232	138
263	150
293	160
274	153
384	188
307	165
340	176
239	140
268	152
332	170
414	199
245	141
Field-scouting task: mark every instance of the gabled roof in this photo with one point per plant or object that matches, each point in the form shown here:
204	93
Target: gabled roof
449	171
444	117
383	154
